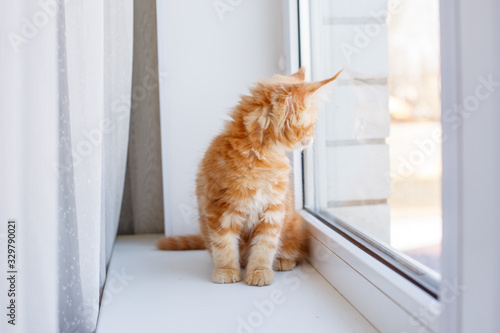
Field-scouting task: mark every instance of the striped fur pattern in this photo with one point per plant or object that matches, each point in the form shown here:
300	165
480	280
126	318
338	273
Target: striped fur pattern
246	210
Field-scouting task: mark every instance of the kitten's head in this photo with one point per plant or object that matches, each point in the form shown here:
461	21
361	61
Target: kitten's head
282	110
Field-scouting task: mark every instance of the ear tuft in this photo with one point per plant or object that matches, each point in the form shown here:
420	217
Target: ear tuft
312	87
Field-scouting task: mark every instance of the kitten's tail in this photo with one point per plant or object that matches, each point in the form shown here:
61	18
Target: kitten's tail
179	243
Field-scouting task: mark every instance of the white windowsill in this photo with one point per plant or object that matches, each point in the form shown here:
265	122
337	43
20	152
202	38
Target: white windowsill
158	291
389	301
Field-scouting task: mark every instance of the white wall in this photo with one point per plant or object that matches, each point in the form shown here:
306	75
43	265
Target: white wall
210	52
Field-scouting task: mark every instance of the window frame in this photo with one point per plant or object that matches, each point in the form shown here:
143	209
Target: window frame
414	272
387	299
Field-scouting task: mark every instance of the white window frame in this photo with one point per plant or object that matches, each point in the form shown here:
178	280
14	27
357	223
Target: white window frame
388	300
470	286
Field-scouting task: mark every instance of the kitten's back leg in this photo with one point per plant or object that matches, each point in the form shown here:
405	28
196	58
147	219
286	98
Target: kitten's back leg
293	246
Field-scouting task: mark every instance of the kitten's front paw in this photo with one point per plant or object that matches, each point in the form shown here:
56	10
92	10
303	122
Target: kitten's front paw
260	277
226	275
283	264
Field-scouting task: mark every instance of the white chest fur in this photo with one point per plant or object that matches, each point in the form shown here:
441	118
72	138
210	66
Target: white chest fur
263	198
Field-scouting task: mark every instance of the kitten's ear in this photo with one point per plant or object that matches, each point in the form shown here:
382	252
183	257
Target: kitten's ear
313	87
300	75
303	93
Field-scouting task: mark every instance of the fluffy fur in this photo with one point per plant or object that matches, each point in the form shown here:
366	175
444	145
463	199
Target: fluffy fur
245	201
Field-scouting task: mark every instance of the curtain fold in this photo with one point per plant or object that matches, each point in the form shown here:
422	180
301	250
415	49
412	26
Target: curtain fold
65	98
118	61
70	298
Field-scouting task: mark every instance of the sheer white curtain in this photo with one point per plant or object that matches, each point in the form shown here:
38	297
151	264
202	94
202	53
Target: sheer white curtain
65	83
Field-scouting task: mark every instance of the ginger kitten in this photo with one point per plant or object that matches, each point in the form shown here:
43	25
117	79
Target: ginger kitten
245	202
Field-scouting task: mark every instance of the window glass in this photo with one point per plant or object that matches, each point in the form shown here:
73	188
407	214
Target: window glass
375	167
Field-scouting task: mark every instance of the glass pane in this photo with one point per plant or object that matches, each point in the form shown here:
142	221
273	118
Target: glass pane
376	162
